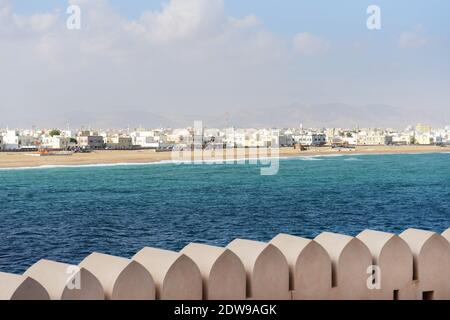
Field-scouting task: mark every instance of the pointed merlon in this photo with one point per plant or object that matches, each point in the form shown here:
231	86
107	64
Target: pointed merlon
431	252
19	287
351	260
66	282
309	266
266	267
223	273
393	259
121	278
176	276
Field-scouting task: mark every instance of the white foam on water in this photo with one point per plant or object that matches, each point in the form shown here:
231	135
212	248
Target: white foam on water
93	165
310	158
162	162
212	161
317	157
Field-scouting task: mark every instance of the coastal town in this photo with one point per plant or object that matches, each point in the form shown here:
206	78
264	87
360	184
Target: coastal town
166	139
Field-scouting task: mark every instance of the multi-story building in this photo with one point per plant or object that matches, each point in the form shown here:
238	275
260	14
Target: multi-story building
286	140
119	142
56	142
236	138
350	140
213	138
402	138
374	137
311	139
438	139
266	138
28	141
424	139
11	140
181	136
91	142
331	134
60	142
154	139
146	142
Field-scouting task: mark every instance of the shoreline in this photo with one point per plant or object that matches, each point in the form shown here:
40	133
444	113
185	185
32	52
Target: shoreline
18	160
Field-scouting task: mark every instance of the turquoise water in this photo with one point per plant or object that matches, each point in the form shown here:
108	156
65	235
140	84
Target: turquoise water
66	213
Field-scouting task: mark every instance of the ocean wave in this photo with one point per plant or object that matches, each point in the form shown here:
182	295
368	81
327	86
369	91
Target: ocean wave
162	162
92	165
318	157
212	161
311	158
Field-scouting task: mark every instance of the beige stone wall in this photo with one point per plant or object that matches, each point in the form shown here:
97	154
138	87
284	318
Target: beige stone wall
413	265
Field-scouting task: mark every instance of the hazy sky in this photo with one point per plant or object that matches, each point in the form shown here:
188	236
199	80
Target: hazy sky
168	63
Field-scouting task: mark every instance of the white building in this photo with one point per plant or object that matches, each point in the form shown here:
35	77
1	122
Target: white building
350	140
11	140
423	139
438	139
311	139
213	137
46	141
183	136
92	142
145	142
402	138
55	142
154	139
266	138
28	141
373	138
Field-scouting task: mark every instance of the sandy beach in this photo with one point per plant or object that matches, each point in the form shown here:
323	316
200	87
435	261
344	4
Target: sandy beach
26	159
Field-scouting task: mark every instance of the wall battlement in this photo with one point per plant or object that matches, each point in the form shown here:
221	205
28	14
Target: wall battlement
413	265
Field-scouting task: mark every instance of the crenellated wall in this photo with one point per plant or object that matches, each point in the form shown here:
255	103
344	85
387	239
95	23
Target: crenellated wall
413	265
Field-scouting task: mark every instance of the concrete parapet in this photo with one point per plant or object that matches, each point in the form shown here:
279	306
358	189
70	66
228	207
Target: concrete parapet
411	291
121	278
223	273
431	253
18	287
66	282
393	261
176	276
351	260
266	267
414	265
309	267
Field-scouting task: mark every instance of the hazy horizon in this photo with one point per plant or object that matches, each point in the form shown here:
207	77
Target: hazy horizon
226	62
330	116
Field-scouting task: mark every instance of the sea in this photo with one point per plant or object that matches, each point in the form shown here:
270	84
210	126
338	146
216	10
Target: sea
66	213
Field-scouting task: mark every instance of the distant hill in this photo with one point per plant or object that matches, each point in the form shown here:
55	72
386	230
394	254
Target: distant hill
335	115
320	115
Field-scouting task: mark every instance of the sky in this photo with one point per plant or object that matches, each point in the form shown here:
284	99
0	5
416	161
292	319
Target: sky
226	62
